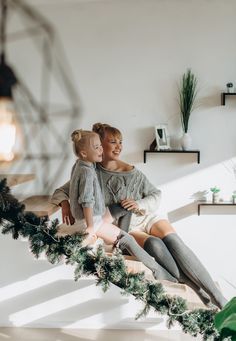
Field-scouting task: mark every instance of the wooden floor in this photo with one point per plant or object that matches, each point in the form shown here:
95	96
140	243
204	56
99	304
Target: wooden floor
28	334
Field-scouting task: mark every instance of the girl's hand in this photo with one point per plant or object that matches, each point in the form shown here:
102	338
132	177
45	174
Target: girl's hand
91	232
129	204
91	238
67	217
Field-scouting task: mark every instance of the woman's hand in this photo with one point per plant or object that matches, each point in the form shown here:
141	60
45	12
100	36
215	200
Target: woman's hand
67	217
129	204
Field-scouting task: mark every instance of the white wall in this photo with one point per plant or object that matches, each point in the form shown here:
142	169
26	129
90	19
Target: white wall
127	58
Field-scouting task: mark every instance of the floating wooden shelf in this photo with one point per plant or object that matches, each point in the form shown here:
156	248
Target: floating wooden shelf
224	94
172	151
211	204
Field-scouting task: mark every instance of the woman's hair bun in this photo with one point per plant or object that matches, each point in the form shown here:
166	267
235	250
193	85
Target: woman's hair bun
100	128
97	127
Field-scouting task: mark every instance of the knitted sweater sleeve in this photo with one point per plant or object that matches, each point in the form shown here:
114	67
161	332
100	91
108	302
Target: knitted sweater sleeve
151	197
60	194
86	190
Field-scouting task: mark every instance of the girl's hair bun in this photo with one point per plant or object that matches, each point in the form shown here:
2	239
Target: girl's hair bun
76	135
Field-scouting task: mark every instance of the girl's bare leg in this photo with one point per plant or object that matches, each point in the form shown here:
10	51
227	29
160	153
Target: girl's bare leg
107	217
108	232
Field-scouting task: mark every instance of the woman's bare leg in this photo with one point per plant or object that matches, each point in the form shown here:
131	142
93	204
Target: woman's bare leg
161	229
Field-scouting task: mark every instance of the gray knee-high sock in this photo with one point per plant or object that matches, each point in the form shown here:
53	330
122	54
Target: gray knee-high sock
157	249
193	268
204	297
126	241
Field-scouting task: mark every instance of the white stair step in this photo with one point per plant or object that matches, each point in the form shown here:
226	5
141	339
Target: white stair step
40	205
16	179
134	266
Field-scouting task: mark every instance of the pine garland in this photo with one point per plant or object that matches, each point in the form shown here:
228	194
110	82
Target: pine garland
42	237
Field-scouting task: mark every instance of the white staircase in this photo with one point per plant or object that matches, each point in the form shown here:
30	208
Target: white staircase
34	293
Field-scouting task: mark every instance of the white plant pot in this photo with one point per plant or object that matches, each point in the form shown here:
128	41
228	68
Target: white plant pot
215	198
186	141
230	90
234	200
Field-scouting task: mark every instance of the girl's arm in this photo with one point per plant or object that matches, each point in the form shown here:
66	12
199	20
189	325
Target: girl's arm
86	199
88	216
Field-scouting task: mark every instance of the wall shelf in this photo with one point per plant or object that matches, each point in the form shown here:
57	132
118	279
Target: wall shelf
220	204
224	94
169	151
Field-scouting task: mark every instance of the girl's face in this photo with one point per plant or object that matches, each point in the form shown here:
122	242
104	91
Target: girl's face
112	147
94	150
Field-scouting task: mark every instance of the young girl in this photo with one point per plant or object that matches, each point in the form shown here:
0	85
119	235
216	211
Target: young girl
87	204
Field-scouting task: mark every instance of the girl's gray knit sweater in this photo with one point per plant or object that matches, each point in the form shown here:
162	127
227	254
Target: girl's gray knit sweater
85	190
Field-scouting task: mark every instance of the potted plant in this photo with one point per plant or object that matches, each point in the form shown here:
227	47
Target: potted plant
230	88
187	96
225	321
215	194
234	197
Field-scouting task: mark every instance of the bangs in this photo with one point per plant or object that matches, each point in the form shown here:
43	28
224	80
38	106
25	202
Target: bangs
114	132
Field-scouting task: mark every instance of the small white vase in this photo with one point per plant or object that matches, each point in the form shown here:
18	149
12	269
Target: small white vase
186	141
215	198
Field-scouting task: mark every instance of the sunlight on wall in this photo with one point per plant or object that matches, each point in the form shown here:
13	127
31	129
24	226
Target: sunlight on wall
192	187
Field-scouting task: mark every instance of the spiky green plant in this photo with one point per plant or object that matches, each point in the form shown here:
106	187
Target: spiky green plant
215	190
187	95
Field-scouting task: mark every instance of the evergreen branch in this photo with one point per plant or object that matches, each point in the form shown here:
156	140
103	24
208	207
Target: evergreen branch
42	237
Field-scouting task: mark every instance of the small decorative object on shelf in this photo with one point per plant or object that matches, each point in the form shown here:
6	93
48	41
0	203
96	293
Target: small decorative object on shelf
187	96
230	87
215	194
234	197
162	138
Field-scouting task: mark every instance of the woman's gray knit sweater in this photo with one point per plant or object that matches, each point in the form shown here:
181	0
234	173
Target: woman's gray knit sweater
133	184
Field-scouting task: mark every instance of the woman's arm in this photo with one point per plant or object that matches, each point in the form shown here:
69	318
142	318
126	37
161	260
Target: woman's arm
61	198
150	203
60	194
151	197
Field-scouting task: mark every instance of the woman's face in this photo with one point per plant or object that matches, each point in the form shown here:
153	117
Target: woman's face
112	147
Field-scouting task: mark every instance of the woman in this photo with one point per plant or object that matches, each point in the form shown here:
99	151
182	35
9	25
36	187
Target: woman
124	184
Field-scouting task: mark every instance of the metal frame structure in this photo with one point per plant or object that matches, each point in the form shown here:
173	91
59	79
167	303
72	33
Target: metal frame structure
40	118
